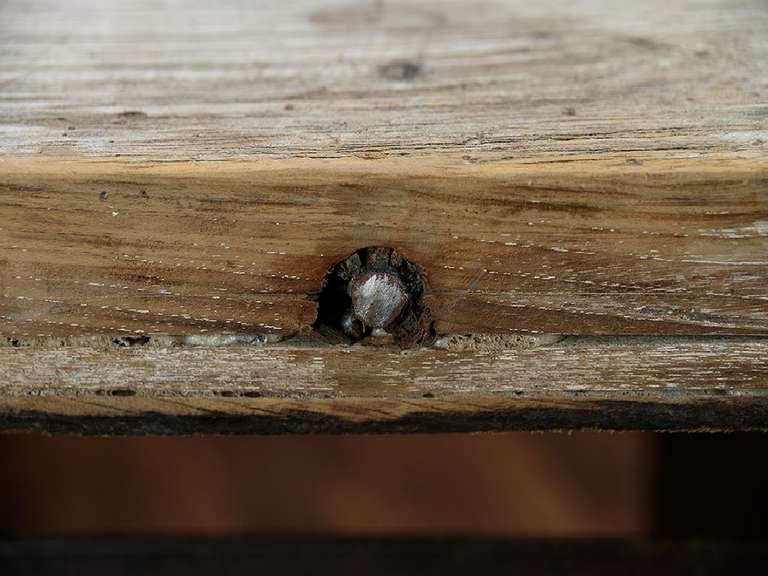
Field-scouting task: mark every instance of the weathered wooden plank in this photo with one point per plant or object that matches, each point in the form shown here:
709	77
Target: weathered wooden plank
588	168
465	383
486	79
669	247
389	555
195	171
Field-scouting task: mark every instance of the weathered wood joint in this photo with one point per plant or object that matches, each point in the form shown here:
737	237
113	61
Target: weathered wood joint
261	224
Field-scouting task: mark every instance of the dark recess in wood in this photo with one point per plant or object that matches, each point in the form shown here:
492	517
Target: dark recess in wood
727	414
375	290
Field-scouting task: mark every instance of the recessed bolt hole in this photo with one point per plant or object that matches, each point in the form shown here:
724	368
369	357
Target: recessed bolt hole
373	293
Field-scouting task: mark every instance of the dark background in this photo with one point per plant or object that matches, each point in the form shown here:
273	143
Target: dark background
518	484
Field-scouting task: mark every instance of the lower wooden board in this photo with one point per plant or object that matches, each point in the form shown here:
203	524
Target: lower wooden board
460	384
374	556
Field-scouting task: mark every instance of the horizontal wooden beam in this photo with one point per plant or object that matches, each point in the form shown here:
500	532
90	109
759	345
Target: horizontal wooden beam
586	247
462	384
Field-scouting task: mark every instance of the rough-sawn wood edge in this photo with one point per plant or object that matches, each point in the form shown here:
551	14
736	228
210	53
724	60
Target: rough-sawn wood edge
630	384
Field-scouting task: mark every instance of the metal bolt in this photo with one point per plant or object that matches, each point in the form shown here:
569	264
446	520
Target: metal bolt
377	298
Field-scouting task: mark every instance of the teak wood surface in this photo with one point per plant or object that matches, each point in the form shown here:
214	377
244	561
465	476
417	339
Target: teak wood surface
177	178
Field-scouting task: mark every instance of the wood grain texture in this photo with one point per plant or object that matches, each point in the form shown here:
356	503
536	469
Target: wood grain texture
582	169
670	247
194	169
331	79
460	385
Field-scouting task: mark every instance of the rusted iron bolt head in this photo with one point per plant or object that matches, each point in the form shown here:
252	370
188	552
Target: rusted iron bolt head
375	292
378	299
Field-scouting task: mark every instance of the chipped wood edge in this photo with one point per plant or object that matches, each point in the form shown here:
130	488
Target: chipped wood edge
550	384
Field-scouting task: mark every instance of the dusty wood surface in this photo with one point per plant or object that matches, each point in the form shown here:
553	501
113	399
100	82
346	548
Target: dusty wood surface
588	168
333	79
389	555
461	385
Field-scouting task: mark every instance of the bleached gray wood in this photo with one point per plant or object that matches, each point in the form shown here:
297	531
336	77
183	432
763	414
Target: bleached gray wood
465	383
485	79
